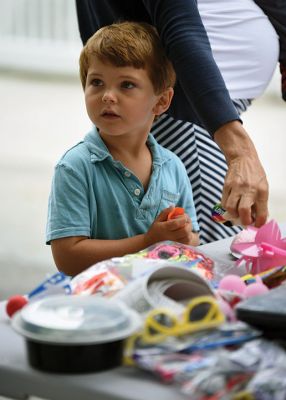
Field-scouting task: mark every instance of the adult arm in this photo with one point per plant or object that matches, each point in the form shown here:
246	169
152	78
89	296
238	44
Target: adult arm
245	182
245	192
185	40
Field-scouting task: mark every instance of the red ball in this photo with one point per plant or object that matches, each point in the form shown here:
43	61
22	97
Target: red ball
15	303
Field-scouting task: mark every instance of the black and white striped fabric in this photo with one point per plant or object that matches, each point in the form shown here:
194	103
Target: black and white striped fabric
205	165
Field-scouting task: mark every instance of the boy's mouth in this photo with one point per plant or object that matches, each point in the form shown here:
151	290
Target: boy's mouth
109	114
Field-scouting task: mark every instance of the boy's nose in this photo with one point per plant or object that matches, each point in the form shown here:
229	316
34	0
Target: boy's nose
108	97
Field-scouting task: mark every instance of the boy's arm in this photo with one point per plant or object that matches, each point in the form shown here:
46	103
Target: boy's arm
74	254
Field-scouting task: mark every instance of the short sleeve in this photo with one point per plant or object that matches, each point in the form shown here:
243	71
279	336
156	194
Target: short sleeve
68	208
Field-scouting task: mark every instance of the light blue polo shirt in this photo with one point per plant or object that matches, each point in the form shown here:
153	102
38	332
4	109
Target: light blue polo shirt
95	196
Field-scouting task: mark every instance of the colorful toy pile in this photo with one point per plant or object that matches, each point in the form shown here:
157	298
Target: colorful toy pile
190	335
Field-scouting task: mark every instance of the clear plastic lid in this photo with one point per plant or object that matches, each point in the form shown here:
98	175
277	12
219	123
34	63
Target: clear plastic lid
76	320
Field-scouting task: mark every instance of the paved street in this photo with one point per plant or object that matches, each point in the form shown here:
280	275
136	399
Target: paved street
39	120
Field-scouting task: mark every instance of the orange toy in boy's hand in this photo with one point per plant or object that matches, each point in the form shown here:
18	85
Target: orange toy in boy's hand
175	213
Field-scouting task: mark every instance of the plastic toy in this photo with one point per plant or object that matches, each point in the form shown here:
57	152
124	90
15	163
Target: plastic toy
233	283
188	256
237	285
58	283
161	323
15	303
266	250
176	212
220	215
255	289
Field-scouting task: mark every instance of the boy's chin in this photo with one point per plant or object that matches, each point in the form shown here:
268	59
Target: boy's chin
110	132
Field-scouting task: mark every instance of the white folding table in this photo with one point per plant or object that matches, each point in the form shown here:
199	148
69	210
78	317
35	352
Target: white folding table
19	381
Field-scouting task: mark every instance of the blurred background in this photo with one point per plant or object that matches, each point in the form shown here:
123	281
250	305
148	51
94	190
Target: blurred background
42	113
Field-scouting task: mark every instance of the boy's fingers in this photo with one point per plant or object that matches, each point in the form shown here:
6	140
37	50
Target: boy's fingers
176	212
164	214
178	222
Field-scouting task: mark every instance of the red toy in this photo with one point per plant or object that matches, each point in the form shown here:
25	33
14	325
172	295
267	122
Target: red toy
177	211
15	303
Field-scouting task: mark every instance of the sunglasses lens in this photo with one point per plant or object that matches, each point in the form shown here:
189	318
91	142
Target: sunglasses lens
164	319
199	311
160	320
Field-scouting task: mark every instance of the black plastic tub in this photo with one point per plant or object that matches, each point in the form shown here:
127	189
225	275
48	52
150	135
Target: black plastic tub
76	358
74	334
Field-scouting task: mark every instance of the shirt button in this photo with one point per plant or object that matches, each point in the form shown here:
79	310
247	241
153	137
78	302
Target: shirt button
127	174
137	192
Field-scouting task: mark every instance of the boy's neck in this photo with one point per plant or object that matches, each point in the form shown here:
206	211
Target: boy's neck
134	155
121	147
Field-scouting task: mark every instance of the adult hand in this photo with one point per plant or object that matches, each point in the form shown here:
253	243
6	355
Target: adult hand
245	192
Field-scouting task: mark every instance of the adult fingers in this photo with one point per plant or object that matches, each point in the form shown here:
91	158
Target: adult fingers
245	193
260	211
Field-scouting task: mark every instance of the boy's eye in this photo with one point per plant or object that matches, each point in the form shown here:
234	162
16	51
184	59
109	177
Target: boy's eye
127	85
96	82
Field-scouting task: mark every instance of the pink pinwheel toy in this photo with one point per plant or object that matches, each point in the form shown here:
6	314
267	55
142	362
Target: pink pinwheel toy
263	250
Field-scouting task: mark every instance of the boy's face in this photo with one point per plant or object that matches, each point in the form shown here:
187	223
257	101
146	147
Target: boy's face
120	100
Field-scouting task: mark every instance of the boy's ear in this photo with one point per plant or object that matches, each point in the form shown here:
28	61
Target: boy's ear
164	101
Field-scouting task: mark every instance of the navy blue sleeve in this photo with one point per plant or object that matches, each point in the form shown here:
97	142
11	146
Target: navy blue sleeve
200	95
187	45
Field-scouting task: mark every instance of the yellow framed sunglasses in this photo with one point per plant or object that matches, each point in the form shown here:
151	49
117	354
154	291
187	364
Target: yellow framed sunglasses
201	313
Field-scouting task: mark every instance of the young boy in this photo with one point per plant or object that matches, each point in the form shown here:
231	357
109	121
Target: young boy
112	193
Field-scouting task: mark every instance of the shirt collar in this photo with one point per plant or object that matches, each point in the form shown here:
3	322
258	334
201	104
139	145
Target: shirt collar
159	154
96	146
99	151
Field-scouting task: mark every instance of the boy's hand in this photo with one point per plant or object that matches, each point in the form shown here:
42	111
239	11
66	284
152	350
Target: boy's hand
175	212
178	229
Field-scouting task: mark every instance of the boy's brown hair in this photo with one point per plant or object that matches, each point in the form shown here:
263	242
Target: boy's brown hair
130	44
